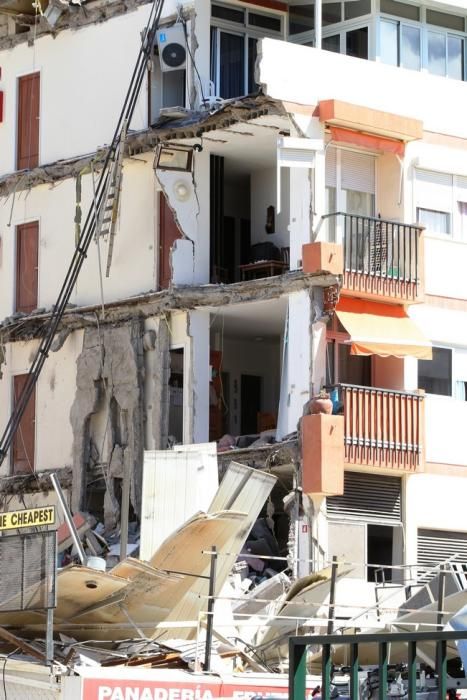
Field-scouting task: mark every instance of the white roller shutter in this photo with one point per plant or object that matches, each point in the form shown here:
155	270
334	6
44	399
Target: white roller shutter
461	188
435	546
433	190
368	497
357	172
331	167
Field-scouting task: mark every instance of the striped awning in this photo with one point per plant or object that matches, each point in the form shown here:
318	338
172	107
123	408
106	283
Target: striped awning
381	329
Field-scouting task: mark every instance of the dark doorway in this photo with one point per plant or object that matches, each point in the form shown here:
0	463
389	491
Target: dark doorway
250	387
27	253
176	395
24	440
380	551
168	234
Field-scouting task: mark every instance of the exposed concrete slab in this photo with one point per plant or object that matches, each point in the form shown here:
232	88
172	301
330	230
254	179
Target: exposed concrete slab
159	303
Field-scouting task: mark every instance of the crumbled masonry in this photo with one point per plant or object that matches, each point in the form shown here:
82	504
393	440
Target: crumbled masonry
109	380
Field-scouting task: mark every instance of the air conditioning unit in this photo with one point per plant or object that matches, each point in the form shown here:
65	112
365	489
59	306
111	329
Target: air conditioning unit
172	47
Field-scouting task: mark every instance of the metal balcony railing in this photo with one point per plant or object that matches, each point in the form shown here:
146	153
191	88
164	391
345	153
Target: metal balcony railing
382	427
381	258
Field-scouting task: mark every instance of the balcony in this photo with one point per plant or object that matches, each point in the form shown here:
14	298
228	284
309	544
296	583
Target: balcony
383	260
383	427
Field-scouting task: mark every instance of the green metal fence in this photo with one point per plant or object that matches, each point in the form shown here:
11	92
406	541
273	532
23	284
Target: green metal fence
298	648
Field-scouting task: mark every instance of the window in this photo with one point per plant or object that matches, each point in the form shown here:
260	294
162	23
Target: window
441	203
401	42
350	187
435	376
28	121
234	35
434	221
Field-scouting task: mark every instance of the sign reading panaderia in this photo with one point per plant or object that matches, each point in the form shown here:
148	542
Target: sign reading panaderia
27	518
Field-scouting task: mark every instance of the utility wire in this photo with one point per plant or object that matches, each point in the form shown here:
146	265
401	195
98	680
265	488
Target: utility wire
87	234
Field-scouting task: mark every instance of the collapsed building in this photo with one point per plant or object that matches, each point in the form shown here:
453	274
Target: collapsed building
281	228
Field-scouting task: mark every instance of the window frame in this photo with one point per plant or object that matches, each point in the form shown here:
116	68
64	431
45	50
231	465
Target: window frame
425	27
458	232
441	346
245	30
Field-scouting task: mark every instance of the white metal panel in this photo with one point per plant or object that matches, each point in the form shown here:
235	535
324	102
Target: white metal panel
357	171
176	485
242	490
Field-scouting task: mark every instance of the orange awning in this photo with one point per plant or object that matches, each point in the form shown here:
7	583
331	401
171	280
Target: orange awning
381	329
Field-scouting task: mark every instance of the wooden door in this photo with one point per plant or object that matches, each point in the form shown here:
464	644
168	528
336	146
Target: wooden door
168	234
28	121
27	251
24	439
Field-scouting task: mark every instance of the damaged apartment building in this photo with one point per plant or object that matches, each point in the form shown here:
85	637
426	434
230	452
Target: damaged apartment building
290	217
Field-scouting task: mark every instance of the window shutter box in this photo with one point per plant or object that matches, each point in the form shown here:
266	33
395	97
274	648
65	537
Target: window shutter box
322	454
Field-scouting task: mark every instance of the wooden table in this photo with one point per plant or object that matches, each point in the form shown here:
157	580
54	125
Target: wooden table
263	268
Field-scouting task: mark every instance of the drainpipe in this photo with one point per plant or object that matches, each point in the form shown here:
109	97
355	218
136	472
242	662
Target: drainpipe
318	27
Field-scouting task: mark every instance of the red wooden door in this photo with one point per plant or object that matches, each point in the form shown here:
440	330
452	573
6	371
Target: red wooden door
27	251
28	121
168	234
24	439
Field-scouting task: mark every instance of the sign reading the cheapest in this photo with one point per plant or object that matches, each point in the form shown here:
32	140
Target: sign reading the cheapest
27	518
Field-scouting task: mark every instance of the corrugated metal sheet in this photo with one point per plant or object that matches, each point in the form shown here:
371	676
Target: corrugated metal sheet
176	484
369	497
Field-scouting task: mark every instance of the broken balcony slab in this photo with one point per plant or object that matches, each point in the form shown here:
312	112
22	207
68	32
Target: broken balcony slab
74	17
178	298
192	126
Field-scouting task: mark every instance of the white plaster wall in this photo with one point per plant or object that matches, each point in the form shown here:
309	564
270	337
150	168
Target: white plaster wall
298	360
85	75
134	257
441	325
445	266
263	195
446	438
199	376
260	358
358	81
436	502
55	393
190	261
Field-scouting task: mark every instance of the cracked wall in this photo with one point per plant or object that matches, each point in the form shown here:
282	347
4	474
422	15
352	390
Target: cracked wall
107	415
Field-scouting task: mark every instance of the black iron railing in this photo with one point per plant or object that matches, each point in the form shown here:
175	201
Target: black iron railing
375	246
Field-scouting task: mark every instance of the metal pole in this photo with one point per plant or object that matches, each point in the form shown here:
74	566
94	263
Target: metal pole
332	595
49	640
68	518
441	588
318	23
297	670
125	494
210	615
